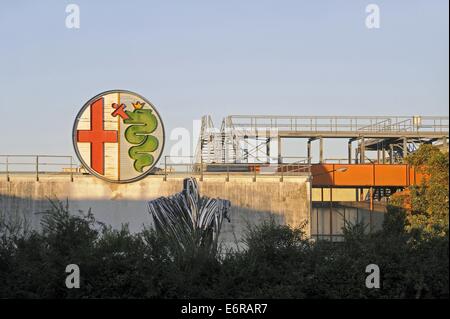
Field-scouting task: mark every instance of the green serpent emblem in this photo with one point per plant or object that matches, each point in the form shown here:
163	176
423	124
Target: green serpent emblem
143	124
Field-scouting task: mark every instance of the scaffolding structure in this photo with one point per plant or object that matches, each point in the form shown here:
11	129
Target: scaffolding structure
249	138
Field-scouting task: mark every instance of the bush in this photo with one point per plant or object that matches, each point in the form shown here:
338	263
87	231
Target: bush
279	262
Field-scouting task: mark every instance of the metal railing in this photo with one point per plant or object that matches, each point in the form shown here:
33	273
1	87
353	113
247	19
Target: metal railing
339	123
38	165
185	165
231	141
341	160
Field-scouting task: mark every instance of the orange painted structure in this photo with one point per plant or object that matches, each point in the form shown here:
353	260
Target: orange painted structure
376	177
364	175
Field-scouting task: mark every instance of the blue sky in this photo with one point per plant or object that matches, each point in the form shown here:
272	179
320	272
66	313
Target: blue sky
192	58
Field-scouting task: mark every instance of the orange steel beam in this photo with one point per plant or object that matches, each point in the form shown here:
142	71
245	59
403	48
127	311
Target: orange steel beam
364	175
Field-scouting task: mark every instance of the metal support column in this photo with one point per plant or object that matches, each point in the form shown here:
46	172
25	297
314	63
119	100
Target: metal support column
321	150
350	150
391	153
279	150
331	214
405	147
7	169
362	152
71	170
165	167
37	168
308	150
245	150
371	198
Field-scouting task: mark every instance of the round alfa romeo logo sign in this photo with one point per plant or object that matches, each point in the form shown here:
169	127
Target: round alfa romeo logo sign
118	136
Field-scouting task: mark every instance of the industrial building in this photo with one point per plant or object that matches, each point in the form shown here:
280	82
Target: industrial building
242	160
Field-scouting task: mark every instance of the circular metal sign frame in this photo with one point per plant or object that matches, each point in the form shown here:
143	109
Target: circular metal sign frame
89	168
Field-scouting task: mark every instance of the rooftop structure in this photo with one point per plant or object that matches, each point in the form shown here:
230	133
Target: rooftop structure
241	138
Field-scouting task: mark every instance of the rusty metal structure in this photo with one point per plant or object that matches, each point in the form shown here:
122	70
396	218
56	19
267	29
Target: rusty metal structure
242	138
252	139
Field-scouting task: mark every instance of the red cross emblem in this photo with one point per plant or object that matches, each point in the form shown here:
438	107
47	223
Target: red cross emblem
97	136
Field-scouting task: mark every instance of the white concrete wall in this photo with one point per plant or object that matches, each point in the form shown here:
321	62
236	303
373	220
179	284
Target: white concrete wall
116	204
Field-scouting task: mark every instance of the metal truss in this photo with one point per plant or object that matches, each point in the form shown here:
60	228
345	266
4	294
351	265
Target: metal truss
247	138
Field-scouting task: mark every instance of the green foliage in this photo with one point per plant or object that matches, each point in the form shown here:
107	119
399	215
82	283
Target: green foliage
412	252
427	214
279	262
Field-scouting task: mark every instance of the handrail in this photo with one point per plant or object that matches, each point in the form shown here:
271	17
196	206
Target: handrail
37	162
340	123
254	169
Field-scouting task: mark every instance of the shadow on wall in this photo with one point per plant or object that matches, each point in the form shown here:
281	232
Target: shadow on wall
327	222
132	212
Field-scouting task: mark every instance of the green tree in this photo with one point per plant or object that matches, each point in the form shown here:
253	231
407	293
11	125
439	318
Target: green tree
425	206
